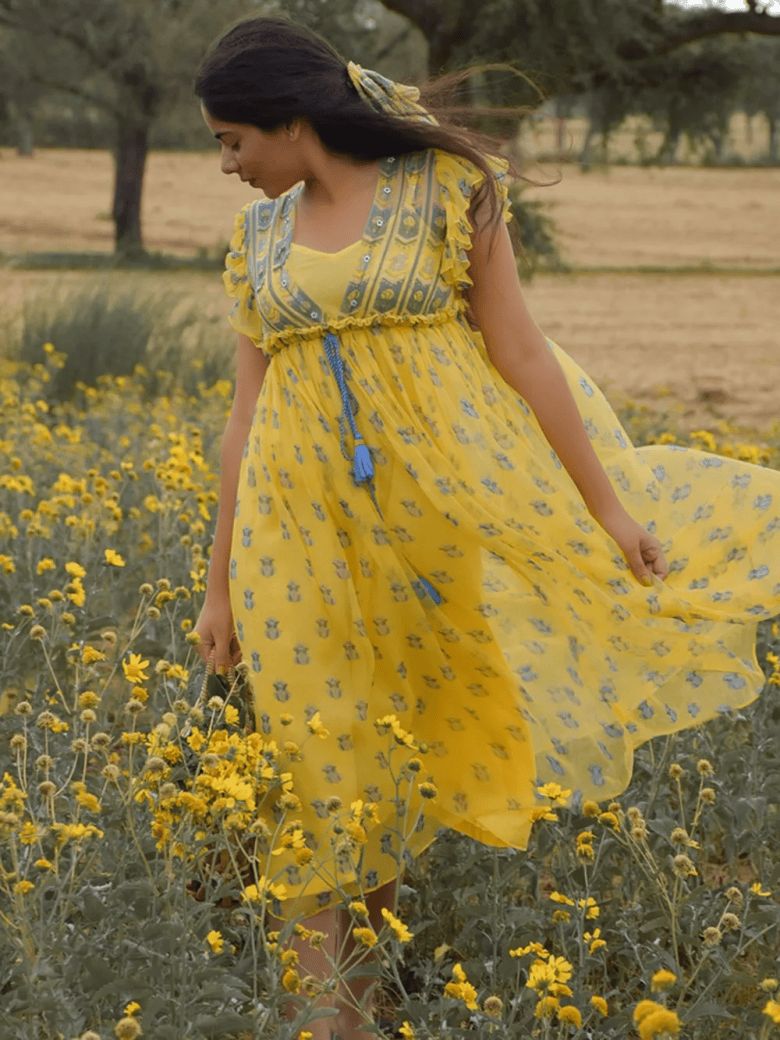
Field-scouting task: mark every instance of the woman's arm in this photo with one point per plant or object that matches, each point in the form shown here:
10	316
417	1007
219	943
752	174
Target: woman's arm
215	624
520	353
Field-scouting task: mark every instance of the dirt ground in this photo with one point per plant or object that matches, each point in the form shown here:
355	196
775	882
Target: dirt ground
704	346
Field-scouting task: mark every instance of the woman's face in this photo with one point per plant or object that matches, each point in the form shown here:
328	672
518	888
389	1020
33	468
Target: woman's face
269	160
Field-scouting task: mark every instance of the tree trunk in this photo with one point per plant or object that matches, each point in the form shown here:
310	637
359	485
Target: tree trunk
585	153
129	166
21	119
774	137
25	137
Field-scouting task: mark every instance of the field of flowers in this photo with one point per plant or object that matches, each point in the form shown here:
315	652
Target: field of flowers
137	877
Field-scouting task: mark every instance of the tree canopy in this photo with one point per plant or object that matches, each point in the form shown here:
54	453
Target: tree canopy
576	42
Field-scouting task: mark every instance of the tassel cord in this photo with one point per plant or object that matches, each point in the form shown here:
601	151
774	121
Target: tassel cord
362	463
347	415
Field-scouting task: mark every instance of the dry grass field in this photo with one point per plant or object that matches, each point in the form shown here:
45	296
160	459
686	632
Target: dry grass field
702	345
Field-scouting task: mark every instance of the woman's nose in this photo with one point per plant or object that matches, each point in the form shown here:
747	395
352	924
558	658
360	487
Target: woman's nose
227	163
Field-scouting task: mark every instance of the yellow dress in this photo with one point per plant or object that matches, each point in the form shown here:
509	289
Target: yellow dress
545	660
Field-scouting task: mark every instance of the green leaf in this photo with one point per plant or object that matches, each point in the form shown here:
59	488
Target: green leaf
707	1007
215	1025
97	973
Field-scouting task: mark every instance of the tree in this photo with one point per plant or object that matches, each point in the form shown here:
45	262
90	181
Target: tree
760	89
129	60
19	94
573	45
694	91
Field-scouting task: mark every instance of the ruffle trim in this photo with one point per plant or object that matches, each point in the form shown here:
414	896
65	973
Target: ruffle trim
275	342
459	177
235	278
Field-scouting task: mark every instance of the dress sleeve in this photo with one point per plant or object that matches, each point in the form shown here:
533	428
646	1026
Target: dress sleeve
244	316
458	180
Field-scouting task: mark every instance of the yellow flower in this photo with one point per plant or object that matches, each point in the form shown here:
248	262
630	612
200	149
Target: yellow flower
570	1015
683	866
75	570
544	975
316	727
599	1004
44	864
215	941
196	740
114	558
554	792
28	833
758	889
584	842
542	813
534	947
407	1032
358	908
772	1008
645	1008
462	989
365	936
21	888
231	715
89	655
390	722
593	940
76	593
610	820
127	1029
255	893
132	1008
558	897
398	928
134	669
590	907
546	1007
88	801
291	981
46	564
493	1006
659	1023
662	980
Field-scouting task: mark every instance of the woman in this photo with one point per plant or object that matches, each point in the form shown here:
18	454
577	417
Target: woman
442	525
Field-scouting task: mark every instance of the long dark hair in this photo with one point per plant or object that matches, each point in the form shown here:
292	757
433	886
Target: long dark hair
266	72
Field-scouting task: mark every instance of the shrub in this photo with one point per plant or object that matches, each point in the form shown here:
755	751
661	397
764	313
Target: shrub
102	331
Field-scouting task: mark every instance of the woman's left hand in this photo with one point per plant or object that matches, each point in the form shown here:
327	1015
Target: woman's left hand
642	550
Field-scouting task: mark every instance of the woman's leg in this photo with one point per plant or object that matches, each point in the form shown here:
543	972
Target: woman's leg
356	1003
355	999
317	962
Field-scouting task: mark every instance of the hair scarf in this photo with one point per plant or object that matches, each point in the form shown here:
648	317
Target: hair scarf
397	99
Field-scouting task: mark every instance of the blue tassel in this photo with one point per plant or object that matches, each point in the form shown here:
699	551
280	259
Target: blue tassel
362	464
432	592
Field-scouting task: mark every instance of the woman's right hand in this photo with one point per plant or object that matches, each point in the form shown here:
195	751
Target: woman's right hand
218	640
